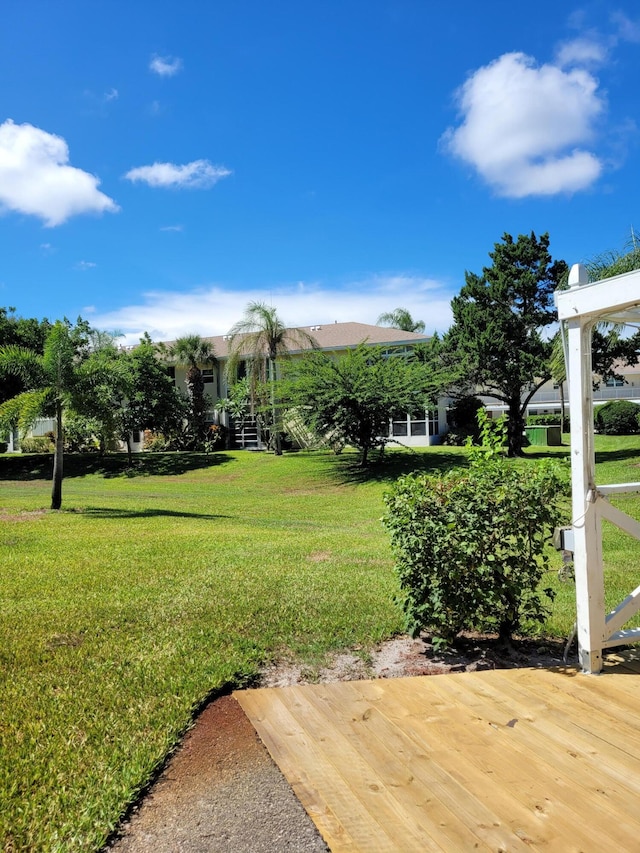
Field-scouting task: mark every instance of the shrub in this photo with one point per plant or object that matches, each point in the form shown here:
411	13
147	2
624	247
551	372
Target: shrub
456	438
619	417
155	442
37	444
470	546
550	419
216	438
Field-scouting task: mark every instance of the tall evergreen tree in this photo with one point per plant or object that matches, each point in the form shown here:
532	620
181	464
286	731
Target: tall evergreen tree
499	322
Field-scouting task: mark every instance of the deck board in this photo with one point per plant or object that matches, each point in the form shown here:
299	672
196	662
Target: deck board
504	760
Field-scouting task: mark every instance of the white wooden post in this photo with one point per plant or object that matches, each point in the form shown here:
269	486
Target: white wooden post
586	520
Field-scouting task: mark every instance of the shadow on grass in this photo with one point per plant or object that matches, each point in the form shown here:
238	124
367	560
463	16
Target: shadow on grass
40	467
620	455
118	513
346	469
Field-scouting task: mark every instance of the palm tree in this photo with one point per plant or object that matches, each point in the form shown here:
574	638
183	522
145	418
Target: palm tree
51	380
261	339
400	318
191	352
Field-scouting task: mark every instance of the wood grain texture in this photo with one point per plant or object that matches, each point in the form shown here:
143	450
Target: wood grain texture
503	760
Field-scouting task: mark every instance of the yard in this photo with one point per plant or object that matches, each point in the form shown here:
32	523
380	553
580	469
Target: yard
154	588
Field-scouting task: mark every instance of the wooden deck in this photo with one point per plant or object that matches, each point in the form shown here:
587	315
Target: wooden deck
503	760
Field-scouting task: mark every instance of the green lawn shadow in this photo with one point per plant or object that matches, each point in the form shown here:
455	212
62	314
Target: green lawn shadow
119	513
346	468
33	466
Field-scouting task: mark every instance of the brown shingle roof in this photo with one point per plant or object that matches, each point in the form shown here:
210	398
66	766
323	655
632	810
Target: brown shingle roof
336	336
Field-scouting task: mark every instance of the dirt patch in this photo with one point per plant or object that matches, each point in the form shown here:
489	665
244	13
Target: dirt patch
404	656
24	515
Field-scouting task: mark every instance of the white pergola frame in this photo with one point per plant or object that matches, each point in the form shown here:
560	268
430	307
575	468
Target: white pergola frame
580	308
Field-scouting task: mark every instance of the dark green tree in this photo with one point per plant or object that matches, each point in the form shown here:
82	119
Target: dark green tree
261	341
499	322
152	402
355	396
400	318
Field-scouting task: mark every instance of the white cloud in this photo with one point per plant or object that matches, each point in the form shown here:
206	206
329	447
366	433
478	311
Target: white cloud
523	126
172	228
165	66
35	178
85	265
111	95
200	174
214	309
584	51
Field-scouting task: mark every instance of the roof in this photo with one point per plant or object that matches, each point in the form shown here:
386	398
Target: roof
337	336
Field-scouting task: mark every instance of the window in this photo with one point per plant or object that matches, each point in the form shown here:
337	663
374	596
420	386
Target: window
400	428
611	382
136	436
207	374
418	427
434	427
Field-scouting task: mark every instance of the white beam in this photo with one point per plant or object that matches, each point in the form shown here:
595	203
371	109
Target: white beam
595	301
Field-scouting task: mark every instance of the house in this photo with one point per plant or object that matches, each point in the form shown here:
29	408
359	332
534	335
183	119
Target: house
335	338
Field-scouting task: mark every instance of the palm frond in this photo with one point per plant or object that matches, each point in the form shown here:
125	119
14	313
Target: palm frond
22	362
24	409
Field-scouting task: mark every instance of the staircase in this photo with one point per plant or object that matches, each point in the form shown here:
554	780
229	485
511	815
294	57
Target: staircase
247	436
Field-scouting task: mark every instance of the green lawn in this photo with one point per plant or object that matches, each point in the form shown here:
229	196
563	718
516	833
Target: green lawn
153	589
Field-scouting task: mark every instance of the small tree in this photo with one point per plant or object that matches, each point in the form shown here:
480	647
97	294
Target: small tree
355	396
260	341
192	352
470	546
153	402
52	380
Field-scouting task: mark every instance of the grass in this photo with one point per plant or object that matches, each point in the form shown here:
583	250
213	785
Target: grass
157	586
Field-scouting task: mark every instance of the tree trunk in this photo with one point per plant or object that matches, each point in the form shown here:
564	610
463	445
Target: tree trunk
562	406
274	422
56	489
515	429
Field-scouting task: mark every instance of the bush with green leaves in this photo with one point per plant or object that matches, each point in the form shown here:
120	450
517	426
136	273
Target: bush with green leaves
37	444
618	417
471	546
550	419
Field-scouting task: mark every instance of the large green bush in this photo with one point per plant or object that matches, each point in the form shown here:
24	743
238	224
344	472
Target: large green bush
470	546
618	417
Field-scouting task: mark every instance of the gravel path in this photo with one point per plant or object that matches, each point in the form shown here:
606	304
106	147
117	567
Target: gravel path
220	792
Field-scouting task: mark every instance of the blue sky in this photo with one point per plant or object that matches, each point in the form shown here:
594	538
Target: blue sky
164	163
